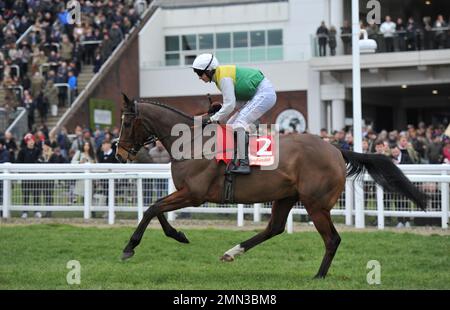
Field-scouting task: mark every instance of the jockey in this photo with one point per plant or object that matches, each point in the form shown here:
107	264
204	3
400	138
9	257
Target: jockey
241	84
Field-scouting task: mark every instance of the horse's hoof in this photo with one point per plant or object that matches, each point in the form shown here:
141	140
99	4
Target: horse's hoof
227	258
181	237
127	255
318	277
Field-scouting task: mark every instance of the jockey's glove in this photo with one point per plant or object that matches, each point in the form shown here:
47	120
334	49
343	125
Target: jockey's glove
206	121
214	108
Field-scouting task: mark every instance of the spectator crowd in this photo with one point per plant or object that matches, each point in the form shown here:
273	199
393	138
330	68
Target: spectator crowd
83	146
54	51
391	36
414	145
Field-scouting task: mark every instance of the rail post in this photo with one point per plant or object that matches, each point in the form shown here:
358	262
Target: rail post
87	197
240	215
349	203
290	222
445	202
140	199
257	212
111	214
380	207
6	196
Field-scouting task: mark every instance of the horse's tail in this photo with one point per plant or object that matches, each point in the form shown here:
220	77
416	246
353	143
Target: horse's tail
385	173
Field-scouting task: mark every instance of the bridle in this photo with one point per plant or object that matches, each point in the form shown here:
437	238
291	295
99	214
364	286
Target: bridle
136	145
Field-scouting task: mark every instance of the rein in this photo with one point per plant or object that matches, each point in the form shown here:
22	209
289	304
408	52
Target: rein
153	138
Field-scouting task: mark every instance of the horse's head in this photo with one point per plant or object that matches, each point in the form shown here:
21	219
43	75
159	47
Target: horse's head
132	134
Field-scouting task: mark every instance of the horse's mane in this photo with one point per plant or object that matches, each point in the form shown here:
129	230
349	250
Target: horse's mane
162	105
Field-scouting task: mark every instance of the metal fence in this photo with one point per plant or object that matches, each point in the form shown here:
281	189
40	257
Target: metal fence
114	188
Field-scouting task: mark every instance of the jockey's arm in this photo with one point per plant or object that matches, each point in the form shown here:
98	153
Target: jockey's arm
229	100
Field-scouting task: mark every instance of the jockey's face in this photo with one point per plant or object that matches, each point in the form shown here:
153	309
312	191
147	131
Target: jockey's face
204	78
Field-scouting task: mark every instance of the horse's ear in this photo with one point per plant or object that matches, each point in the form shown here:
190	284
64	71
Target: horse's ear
126	101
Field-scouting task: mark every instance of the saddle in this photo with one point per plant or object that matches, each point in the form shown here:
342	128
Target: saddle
261	153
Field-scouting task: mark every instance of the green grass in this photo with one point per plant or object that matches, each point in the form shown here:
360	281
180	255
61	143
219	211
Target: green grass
35	257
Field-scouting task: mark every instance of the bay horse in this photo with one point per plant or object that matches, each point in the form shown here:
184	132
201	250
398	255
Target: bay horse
310	170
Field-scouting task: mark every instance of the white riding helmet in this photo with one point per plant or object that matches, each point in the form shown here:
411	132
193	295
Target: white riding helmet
205	62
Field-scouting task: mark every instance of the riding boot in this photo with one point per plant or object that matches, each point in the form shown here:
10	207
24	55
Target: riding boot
242	165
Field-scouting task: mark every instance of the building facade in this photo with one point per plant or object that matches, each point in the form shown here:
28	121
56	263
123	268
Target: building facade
279	38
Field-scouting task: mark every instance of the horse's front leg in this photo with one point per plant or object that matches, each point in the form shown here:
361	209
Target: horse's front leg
170	231
174	201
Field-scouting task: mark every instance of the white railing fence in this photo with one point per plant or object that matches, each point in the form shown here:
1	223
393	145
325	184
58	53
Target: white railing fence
114	188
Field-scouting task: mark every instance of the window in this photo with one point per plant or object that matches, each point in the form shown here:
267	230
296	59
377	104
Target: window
240	39
206	41
229	47
223	40
275	37
189	42
257	38
172	44
172	59
189	59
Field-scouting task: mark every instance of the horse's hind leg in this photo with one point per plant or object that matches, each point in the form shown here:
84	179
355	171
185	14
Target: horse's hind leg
322	220
170	231
277	223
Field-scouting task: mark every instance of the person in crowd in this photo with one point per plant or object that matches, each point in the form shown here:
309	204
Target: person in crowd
107	154
322	36
440	35
323	133
73	85
51	95
116	35
446	150
400	158
411	35
4	153
401	34
339	140
30	155
428	33
66	49
97	61
106	47
388	30
365	146
407	150
434	150
372	32
11	146
51	156
346	37
332	42
29	104
84	156
381	148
